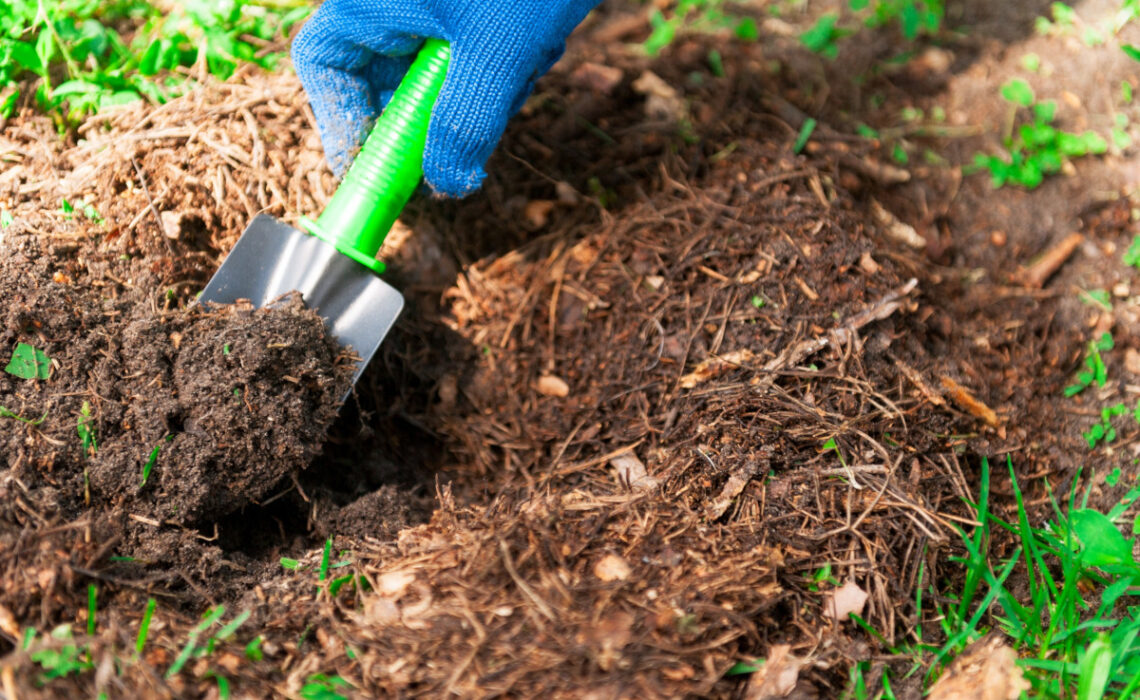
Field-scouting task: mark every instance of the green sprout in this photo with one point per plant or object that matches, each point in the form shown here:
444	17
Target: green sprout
85	429
1094	372
1038	148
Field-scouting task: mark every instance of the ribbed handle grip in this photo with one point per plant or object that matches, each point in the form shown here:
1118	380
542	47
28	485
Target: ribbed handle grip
389	166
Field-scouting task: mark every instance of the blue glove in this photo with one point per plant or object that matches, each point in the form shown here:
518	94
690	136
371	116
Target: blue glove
351	55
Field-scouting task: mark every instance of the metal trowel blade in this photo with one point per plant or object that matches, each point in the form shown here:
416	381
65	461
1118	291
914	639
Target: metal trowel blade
272	259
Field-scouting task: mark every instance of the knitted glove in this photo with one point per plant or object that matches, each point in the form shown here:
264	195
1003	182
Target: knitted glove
351	55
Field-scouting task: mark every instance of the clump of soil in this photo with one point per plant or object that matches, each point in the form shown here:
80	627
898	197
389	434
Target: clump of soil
194	414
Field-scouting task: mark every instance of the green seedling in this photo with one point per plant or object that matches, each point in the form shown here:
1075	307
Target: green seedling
1094	372
1062	22
86	430
253	649
823	36
914	17
1037	148
1132	255
325	555
1100	298
191	649
152	460
290	564
805	134
29	363
7	413
693	17
92	608
63	658
144	626
832	446
1103	430
757	301
6	219
321	687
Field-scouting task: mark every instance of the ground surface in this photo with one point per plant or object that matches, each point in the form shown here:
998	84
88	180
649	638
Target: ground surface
594	458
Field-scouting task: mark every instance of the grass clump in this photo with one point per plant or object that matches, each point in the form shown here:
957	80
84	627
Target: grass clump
1068	617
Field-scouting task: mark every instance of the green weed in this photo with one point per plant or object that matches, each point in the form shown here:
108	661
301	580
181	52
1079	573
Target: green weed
86	430
1094	372
695	16
144	626
1037	148
192	650
74	57
8	413
914	17
322	687
1068	646
62	658
152	460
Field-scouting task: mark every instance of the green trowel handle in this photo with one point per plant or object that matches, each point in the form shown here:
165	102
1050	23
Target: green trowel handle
389	166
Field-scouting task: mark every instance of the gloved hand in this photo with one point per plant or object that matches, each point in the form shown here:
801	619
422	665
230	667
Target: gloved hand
351	55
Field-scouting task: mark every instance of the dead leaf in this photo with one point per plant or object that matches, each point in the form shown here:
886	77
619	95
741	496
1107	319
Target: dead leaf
777	677
986	670
612	568
631	470
550	385
841	602
715	366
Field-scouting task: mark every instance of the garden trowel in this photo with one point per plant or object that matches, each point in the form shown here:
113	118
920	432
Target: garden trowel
333	263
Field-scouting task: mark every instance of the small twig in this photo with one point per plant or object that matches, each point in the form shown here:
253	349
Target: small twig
150	205
1050	261
523	585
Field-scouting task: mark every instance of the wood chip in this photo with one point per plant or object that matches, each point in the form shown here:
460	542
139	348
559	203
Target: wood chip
550	385
969	403
1036	275
612	568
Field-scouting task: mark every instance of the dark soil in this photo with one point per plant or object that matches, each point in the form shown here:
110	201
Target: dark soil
652	380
